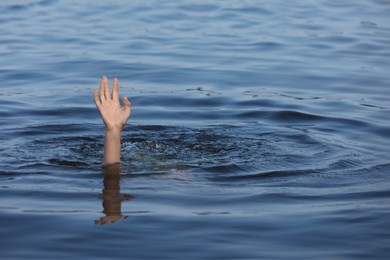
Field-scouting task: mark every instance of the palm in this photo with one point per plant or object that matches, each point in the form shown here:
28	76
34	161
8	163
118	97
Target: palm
114	117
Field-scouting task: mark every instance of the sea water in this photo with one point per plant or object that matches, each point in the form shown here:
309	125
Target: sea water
259	129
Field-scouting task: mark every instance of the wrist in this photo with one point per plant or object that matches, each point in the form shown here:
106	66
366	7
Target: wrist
113	131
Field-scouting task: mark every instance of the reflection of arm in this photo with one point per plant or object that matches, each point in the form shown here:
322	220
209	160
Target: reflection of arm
111	192
111	196
114	118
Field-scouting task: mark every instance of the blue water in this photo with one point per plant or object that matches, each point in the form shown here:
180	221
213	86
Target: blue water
259	129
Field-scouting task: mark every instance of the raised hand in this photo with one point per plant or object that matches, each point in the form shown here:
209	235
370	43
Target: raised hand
114	117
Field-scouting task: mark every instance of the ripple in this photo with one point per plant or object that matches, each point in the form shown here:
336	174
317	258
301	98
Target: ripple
267	122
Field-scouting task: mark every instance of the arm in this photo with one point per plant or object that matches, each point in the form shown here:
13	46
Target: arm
114	118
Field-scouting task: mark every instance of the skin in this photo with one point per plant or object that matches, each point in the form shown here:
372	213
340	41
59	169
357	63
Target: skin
114	117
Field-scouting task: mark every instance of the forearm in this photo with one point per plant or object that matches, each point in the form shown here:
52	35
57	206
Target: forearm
112	146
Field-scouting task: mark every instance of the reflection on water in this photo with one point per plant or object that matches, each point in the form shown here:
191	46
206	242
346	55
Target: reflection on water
111	195
276	112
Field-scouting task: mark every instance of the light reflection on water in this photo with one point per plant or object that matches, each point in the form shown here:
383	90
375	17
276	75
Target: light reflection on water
258	130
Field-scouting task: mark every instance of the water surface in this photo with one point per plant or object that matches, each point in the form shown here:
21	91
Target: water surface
259	129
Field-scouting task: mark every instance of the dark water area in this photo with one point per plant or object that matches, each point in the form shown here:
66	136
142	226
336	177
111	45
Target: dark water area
259	129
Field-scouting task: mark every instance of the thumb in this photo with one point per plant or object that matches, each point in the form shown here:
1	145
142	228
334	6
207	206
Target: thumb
126	104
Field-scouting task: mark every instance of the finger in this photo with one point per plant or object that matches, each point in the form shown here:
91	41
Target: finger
127	105
115	91
102	97
96	98
106	88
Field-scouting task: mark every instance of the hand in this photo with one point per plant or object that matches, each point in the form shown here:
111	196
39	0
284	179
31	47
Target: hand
114	117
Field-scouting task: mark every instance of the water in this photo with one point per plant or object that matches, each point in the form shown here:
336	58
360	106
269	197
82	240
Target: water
259	129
